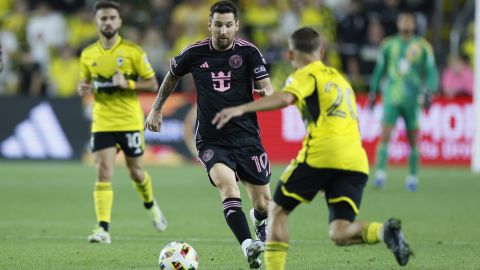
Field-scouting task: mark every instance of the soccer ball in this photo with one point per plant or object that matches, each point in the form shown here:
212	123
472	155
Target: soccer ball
178	256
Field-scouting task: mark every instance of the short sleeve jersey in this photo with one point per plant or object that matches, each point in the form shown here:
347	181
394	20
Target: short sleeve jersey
115	109
327	104
223	79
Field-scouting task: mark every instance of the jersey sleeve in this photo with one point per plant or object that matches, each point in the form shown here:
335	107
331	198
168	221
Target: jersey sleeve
84	72
430	68
142	66
379	68
179	64
300	84
258	65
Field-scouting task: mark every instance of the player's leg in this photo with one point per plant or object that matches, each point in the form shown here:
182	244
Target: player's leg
389	118
260	197
411	122
223	177
103	194
343	198
277	237
132	145
299	183
253	168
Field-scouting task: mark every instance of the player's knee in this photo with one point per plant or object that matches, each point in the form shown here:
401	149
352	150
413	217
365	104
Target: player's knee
104	171
229	191
262	203
338	238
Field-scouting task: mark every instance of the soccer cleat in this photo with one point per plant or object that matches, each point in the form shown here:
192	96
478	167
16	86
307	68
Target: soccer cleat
379	180
411	183
99	235
158	218
395	241
253	252
260	229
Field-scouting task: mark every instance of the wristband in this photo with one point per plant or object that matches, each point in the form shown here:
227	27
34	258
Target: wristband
131	84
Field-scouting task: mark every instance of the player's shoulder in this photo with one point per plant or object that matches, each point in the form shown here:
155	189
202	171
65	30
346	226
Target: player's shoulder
245	45
196	46
131	45
424	43
389	41
90	50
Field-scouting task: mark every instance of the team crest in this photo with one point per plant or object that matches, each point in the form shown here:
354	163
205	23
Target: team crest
120	61
235	61
207	155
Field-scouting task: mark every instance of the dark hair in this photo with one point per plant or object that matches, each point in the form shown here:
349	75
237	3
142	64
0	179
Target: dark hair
223	7
106	4
306	40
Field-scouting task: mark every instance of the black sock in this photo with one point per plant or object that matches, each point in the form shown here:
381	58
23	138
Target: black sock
236	220
104	225
148	205
259	215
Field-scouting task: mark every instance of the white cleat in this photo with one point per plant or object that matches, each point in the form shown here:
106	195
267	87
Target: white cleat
158	218
99	235
253	253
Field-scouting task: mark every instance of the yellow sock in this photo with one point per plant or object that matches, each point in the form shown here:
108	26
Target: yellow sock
275	255
372	233
103	198
145	188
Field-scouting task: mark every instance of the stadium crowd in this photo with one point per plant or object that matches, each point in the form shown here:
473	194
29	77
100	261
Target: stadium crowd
41	40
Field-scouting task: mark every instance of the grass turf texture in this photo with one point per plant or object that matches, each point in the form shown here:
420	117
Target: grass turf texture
46	213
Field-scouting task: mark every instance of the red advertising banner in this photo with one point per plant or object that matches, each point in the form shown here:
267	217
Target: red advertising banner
446	132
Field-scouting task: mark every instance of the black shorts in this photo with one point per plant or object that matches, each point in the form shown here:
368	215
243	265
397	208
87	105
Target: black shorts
343	189
130	142
250	163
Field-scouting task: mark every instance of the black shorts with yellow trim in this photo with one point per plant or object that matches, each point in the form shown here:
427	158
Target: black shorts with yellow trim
132	143
343	189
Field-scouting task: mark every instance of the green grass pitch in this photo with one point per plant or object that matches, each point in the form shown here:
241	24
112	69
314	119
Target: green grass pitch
46	213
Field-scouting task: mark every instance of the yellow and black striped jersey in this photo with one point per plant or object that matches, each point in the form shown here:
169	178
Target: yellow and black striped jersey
327	104
115	109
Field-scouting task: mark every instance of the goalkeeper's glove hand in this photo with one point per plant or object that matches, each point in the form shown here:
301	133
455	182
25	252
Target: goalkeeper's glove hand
427	99
372	98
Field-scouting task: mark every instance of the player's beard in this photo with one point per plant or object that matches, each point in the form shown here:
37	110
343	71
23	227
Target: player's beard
109	34
224	43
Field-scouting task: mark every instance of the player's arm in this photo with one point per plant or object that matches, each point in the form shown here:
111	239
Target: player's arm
154	118
149	84
84	86
263	87
431	69
275	101
377	75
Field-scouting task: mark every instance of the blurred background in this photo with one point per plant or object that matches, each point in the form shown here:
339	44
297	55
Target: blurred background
41	42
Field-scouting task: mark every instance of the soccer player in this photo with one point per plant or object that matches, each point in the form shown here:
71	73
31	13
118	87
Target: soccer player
332	159
404	59
224	69
113	69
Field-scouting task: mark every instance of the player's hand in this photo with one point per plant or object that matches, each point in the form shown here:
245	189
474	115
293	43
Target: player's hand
119	80
222	117
427	99
372	99
84	88
260	92
154	121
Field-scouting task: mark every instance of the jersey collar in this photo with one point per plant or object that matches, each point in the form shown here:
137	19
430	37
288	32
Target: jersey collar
119	40
210	40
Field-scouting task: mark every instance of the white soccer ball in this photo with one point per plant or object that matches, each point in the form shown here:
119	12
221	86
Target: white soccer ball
178	256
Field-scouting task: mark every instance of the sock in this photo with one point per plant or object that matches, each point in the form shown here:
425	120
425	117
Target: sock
145	190
372	233
104	225
236	220
275	255
259	217
413	161
382	156
103	199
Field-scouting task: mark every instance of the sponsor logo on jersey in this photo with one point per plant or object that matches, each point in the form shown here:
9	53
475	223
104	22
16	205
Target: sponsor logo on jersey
221	81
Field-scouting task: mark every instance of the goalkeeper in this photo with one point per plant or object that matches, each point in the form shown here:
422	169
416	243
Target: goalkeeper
404	59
